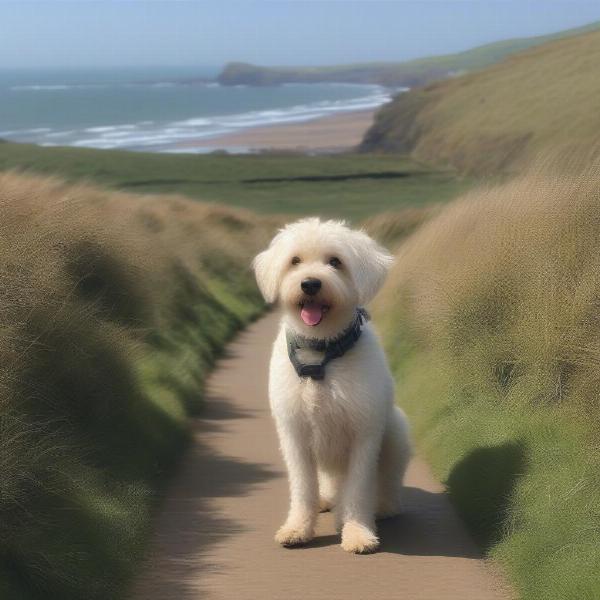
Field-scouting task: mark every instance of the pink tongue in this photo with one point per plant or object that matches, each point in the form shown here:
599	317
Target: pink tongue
311	314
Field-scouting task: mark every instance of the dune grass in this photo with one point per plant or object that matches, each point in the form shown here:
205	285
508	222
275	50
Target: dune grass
501	118
350	186
112	310
493	330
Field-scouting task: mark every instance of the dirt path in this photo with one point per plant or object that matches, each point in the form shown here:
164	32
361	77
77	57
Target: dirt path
214	538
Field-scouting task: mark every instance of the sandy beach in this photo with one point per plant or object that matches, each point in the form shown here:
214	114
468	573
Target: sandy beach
335	133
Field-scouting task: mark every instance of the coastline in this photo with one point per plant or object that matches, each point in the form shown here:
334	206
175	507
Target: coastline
329	134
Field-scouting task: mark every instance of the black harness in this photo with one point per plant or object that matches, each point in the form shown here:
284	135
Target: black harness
333	348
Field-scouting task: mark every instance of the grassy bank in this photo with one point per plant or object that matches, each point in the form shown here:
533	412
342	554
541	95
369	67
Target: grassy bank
493	333
501	118
351	186
112	309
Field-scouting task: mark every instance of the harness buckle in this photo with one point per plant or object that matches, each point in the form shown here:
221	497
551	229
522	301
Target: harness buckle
313	371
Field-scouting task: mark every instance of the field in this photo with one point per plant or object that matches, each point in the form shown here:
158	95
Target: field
351	186
489	318
409	73
114	307
500	119
491	321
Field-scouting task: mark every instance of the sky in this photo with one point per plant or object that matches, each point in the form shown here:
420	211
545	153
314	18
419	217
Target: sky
84	33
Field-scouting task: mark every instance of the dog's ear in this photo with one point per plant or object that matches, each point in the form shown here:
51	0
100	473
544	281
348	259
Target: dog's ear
266	271
371	265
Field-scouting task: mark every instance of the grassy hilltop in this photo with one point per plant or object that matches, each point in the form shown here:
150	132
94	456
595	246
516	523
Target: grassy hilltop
542	100
409	73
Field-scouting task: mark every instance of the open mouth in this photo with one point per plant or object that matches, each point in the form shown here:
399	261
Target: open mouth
313	311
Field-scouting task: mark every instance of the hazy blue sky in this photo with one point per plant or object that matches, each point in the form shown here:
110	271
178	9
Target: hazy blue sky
211	32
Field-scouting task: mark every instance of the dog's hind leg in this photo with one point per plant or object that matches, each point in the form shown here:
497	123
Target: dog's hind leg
393	460
328	490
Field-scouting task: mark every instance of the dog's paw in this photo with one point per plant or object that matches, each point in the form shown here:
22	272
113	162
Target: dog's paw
289	536
359	539
325	505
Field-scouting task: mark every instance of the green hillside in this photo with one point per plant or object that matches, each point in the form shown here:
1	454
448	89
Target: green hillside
541	101
350	186
409	73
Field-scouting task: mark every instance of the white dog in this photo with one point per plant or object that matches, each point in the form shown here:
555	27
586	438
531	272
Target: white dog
344	441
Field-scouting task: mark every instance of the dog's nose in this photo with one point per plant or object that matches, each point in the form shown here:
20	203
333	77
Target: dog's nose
310	286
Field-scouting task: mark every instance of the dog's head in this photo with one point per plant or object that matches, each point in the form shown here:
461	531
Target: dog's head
320	271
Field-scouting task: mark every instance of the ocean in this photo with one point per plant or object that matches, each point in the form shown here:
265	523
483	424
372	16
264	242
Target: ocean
157	109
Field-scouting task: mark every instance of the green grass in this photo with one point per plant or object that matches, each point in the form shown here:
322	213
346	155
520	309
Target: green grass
409	73
491	326
524	478
350	186
538	102
113	309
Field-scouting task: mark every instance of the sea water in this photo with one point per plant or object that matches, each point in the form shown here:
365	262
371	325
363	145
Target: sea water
161	109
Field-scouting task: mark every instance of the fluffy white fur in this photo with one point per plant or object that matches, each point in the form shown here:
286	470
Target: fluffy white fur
345	443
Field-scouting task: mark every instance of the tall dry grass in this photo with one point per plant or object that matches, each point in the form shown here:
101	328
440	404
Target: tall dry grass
493	314
519	264
112	308
393	227
499	119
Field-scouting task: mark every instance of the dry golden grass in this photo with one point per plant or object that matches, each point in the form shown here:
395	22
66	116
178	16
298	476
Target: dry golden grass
500	118
392	228
112	308
493	320
519	262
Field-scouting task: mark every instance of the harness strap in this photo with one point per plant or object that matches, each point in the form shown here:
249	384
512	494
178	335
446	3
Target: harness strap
334	348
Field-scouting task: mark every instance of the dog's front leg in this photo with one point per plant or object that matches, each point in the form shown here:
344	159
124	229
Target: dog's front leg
304	490
359	497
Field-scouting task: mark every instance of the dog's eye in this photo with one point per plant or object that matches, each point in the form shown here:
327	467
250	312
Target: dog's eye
335	262
296	260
